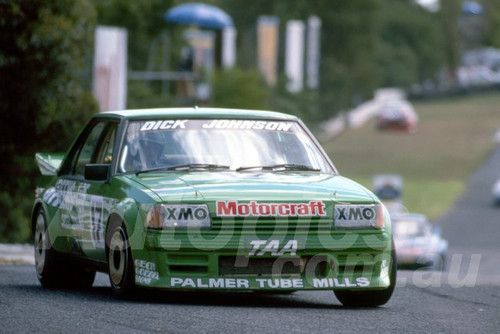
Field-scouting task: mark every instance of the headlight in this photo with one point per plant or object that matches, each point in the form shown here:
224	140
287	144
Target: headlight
358	216
179	216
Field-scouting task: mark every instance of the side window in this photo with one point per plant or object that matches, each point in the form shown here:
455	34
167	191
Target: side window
105	147
89	150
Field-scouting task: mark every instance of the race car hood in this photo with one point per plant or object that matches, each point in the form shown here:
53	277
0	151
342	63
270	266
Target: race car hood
203	186
428	244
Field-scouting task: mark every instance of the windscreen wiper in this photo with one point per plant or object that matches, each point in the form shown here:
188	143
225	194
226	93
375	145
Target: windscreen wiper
184	167
280	167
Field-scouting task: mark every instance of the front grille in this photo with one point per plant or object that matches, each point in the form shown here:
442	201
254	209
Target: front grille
275	267
188	269
187	264
357	263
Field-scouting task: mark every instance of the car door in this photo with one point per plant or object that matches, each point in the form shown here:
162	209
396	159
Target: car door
99	197
87	204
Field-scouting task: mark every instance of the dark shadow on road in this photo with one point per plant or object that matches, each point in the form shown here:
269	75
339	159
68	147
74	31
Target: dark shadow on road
200	298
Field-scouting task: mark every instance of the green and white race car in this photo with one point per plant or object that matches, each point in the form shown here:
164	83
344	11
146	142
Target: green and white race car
208	199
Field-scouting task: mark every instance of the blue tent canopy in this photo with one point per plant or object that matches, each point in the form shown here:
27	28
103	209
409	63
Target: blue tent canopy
472	8
200	15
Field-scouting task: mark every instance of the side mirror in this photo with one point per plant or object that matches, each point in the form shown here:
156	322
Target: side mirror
97	172
437	230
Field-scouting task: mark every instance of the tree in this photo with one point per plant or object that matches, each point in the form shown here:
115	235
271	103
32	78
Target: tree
492	31
450	11
236	88
143	20
365	44
409	44
46	48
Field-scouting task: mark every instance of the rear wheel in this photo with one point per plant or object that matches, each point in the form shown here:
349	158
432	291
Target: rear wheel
52	269
370	298
120	265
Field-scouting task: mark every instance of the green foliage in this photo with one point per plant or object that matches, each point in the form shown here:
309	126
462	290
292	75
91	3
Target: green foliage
431	161
492	29
365	44
46	49
236	88
17	212
451	37
46	56
142	95
305	104
142	19
409	50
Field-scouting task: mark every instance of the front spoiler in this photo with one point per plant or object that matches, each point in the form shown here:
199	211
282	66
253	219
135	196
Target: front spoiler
207	271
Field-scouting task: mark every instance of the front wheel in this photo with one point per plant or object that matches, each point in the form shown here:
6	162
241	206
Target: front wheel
370	298
120	265
46	260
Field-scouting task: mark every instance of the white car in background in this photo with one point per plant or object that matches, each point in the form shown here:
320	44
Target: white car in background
495	191
418	242
397	115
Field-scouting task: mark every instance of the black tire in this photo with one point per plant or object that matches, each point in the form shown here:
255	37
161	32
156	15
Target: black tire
372	298
438	263
120	263
52	269
443	262
275	292
46	260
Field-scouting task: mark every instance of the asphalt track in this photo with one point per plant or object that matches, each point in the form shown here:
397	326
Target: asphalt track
465	298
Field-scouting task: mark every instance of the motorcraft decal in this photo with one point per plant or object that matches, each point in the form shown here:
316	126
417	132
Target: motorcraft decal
235	209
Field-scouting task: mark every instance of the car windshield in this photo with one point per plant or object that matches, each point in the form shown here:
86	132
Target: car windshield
224	144
410	229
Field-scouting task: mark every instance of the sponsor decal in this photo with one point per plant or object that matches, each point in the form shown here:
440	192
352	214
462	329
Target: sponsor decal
186	212
283	283
345	283
164	125
231	283
266	283
99	208
262	247
235	209
247	125
52	197
355	215
145	272
81	210
182	215
218	124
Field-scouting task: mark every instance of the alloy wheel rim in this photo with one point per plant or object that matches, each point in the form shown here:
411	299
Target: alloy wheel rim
117	257
40	244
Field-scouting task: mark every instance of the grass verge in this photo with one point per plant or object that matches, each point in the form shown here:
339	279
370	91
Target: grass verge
452	140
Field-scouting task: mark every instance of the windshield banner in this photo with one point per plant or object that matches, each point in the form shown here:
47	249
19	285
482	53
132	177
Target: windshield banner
216	124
